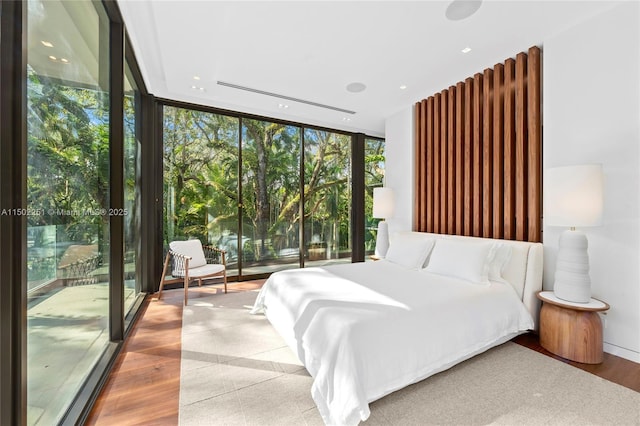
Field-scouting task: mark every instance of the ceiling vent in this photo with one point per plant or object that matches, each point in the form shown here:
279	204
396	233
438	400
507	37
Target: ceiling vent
288	98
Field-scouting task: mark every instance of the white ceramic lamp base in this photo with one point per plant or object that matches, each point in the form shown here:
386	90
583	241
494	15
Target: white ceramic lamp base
572	282
382	239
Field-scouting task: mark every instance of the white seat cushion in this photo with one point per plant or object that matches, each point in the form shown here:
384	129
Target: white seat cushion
206	270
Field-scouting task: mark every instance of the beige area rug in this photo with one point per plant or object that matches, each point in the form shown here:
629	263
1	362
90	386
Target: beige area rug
236	370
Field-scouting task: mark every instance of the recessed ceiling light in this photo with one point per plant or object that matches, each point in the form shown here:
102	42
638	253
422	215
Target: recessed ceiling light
201	89
194	87
65	60
46	43
462	9
466	50
402	87
346	119
356	87
53	58
196	77
283	106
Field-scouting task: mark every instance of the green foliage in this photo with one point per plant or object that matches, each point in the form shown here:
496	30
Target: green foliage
67	157
201	163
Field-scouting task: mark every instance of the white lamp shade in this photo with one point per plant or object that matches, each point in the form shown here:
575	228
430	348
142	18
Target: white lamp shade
383	203
573	196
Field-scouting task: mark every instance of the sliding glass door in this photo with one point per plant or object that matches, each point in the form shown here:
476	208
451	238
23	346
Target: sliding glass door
270	186
273	195
200	177
132	196
68	201
327	194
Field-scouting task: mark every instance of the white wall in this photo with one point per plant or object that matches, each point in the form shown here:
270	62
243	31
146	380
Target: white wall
591	114
399	167
591	107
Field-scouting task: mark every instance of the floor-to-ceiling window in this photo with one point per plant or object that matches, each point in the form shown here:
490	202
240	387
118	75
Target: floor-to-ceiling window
132	202
374	160
200	178
270	185
327	195
68	204
273	195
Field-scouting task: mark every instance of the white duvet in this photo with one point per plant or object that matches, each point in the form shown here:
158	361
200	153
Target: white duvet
364	330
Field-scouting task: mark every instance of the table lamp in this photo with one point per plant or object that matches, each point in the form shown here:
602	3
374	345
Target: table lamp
573	197
383	205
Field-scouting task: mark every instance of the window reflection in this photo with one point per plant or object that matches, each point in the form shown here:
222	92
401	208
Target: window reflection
67	192
327	194
132	280
201	180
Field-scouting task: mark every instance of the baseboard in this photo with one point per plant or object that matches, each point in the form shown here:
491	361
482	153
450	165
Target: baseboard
621	352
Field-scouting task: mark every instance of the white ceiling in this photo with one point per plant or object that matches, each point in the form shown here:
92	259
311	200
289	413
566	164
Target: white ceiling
312	50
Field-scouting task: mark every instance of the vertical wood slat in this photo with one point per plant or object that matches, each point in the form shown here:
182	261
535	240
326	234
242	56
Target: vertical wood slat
534	162
521	148
509	150
424	159
479	150
487	154
498	151
468	156
477	155
436	163
459	129
419	171
430	182
443	161
451	158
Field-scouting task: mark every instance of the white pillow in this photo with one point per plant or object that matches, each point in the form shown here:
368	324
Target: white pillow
409	252
499	255
467	260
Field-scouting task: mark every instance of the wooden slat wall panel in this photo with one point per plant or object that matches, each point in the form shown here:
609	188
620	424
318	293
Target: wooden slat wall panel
429	159
437	185
521	147
487	154
451	161
509	150
459	141
478	148
498	151
419	152
468	156
477	155
443	161
534	162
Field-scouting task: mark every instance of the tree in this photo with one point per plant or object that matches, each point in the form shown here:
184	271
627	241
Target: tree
68	157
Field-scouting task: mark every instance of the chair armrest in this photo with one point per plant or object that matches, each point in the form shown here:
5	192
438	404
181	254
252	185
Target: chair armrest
212	253
180	263
180	256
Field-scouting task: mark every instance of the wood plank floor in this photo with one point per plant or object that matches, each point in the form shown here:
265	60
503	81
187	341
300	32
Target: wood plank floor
144	386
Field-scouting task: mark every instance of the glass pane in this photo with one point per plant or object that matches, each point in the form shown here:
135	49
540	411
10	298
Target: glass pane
201	180
131	191
327	192
374	161
270	196
67	190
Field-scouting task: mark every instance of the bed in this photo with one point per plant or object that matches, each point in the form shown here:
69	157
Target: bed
364	330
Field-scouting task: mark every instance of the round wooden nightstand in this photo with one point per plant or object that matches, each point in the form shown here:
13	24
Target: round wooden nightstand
572	330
